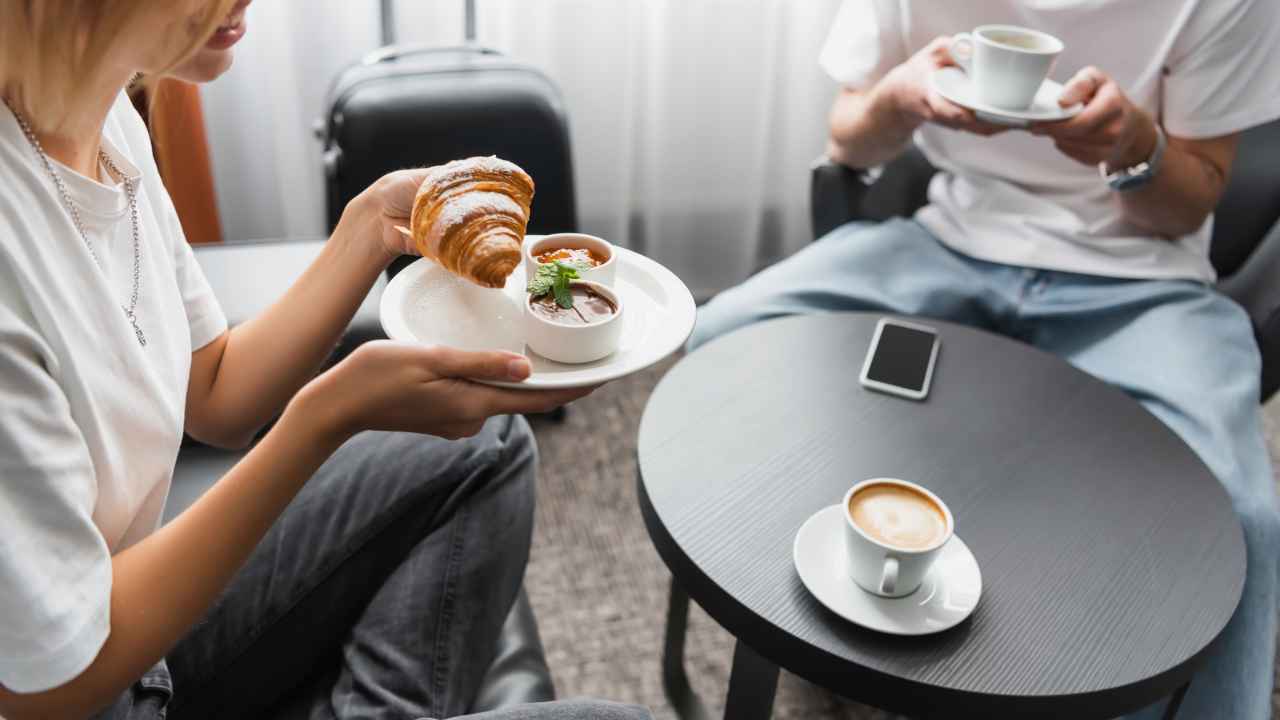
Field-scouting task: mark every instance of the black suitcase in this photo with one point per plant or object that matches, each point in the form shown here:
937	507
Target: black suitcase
406	106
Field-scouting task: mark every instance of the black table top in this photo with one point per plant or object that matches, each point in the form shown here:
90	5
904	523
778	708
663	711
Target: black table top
1110	555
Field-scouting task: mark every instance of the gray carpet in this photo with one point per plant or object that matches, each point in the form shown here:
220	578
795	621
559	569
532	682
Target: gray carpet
599	587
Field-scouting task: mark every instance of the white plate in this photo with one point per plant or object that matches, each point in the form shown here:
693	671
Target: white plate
952	84
948	595
428	304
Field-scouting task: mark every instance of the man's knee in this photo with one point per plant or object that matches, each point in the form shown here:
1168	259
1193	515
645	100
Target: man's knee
1260	521
726	312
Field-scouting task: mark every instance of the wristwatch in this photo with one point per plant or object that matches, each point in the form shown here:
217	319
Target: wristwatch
1137	175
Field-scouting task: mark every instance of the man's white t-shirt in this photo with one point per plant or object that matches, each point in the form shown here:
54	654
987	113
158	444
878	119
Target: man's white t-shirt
1204	69
91	420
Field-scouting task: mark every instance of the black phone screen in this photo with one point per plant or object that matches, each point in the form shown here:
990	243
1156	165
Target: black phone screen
902	357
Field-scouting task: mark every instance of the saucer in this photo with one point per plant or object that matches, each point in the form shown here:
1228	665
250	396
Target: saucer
427	304
948	595
952	84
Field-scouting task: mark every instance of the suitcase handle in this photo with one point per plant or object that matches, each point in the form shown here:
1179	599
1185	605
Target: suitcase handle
392	53
388	18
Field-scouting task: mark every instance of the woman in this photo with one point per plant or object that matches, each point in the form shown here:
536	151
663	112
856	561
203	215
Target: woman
331	573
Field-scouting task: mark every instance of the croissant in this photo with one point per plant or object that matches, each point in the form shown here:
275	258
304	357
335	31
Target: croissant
470	216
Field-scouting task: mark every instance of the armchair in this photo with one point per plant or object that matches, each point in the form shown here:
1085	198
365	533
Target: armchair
247	277
1245	248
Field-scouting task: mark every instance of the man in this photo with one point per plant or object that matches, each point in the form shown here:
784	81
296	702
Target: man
1024	236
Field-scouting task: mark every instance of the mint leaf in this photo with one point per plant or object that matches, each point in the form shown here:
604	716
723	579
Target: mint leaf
540	283
554	278
568	270
561	289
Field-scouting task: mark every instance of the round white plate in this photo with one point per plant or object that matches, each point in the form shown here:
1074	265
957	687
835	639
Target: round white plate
426	303
948	595
952	84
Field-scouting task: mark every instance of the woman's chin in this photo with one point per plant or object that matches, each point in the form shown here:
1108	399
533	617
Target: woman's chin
205	66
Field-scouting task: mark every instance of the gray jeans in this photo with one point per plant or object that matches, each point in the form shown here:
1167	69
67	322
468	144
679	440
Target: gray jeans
379	593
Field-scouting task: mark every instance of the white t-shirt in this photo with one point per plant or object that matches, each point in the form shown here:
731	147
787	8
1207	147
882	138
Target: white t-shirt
91	420
1205	69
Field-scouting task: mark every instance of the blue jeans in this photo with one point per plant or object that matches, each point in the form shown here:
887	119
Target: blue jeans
378	594
1180	348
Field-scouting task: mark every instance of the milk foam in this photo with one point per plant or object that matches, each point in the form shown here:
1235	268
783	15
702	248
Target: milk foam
898	516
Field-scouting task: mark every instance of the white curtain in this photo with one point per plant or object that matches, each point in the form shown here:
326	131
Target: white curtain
693	122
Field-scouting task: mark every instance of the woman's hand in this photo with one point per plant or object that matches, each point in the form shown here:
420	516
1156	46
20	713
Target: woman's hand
386	385
382	206
912	96
1110	129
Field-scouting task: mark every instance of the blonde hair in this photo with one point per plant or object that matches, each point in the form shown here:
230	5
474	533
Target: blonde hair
52	51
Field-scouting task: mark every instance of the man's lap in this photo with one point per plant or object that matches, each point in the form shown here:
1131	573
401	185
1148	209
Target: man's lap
1182	349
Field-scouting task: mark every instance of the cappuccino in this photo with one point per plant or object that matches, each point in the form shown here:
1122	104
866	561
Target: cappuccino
898	516
1021	41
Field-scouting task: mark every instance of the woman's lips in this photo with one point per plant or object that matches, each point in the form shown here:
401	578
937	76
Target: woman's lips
230	32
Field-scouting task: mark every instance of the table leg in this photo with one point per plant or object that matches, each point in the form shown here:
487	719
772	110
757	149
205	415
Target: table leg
1175	701
752	685
680	694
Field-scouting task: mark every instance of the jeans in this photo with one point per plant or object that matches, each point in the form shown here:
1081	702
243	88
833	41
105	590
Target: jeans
1180	348
379	593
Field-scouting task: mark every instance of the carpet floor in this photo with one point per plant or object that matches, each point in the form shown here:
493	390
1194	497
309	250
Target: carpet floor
599	587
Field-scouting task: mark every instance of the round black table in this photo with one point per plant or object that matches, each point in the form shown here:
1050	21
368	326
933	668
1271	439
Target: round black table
1110	555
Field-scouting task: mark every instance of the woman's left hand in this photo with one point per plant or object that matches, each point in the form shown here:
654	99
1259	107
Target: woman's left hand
1110	129
388	202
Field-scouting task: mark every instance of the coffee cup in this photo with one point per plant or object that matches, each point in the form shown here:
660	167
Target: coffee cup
894	531
1006	64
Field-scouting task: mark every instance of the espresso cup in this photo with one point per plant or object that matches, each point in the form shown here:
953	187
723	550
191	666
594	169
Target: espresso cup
1006	64
894	531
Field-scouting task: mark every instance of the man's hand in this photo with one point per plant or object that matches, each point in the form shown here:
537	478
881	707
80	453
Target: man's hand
913	97
1110	129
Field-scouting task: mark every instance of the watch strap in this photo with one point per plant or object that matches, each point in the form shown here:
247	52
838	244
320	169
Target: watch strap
1140	174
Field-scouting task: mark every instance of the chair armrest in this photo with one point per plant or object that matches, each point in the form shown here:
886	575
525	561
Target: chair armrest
838	194
247	277
1255	287
835	193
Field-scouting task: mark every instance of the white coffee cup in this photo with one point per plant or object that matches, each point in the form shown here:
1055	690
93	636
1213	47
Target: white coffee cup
883	568
1006	64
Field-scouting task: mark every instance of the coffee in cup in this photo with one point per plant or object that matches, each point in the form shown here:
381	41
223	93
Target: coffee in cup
1006	64
894	531
898	515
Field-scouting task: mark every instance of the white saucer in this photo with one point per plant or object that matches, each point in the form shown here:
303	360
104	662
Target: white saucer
952	84
949	594
428	304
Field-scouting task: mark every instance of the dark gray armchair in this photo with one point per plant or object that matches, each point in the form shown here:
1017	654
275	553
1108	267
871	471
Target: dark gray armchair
1246	228
247	277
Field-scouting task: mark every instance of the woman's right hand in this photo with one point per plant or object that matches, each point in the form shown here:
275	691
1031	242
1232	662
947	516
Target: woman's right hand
386	385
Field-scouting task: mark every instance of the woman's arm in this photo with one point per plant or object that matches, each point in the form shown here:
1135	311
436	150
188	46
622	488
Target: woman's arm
244	377
162	585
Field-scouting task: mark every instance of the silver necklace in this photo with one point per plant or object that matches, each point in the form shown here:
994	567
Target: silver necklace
130	189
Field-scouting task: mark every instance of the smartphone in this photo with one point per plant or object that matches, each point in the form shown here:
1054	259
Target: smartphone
901	358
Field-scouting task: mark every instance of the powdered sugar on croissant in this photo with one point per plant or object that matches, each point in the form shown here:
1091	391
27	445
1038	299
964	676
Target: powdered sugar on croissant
470	216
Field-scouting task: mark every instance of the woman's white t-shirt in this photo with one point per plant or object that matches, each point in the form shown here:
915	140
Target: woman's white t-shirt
91	420
1203	69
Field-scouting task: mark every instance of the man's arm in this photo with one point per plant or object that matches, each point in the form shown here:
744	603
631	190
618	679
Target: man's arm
870	127
1114	132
